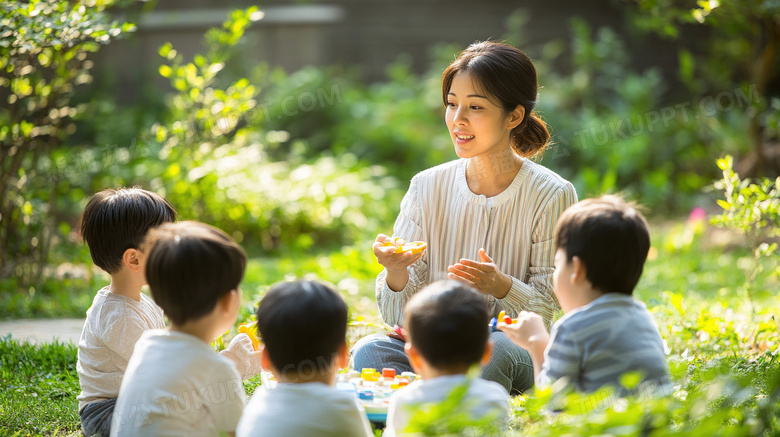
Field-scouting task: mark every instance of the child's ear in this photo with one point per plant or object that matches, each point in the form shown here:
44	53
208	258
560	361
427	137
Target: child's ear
230	301
414	356
132	260
342	359
578	271
265	359
486	355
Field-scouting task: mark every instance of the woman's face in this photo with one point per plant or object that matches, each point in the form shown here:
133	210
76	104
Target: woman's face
477	125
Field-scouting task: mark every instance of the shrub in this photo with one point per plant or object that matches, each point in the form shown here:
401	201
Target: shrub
217	162
43	57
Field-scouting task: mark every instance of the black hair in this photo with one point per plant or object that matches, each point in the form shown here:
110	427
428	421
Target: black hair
447	322
611	238
190	267
508	77
115	220
302	324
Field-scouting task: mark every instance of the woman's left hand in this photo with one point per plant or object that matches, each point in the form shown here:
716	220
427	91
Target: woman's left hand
484	275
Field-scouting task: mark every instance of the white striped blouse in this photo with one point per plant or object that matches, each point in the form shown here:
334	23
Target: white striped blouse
516	229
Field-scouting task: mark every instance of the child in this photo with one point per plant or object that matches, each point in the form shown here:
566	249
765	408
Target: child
114	225
601	245
447	333
175	384
303	327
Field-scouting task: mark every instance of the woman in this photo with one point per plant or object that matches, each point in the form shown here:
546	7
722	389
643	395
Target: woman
488	218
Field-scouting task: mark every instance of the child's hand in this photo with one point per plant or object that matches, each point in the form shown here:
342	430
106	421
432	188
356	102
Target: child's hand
386	256
244	356
527	332
251	332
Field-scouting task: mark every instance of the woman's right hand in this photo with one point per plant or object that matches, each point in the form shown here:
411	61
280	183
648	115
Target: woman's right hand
393	262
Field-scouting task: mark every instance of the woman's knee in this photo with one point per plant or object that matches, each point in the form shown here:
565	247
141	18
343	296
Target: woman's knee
368	340
378	351
506	351
510	365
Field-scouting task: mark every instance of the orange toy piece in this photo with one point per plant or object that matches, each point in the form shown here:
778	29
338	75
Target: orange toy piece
414	247
402	246
251	333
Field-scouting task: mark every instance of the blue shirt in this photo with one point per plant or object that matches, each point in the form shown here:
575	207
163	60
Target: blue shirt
592	346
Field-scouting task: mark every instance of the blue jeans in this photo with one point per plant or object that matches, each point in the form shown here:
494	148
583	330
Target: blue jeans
509	364
96	418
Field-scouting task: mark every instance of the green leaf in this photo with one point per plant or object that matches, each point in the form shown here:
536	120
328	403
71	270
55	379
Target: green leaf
26	128
173	170
686	62
676	300
180	84
165	70
165	50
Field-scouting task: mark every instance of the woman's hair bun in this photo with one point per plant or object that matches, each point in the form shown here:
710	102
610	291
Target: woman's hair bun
530	137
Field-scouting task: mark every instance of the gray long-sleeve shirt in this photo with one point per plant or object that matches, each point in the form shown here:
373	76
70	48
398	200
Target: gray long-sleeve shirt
593	345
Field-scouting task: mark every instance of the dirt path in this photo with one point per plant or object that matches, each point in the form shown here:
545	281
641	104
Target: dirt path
43	330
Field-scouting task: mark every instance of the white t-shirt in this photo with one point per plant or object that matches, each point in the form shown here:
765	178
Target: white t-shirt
176	385
113	326
482	398
302	410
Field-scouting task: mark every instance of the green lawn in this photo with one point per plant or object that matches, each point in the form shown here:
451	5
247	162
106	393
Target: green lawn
694	287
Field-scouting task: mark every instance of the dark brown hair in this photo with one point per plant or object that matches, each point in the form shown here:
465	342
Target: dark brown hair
190	267
115	220
611	238
448	324
508	77
302	324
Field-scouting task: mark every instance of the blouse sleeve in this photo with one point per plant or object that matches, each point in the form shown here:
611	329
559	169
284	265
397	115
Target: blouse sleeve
535	293
408	227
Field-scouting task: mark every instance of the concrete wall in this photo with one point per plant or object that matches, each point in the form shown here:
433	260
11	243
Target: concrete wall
367	33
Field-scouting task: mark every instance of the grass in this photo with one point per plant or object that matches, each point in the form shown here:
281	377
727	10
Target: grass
40	386
70	291
678	263
694	289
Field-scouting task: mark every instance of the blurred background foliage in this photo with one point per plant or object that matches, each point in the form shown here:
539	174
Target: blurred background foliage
44	47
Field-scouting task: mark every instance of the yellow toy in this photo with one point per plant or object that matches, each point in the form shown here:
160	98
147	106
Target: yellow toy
250	330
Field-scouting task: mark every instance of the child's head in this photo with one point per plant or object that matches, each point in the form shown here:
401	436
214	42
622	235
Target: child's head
507	77
447	326
115	223
193	269
303	325
607	239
